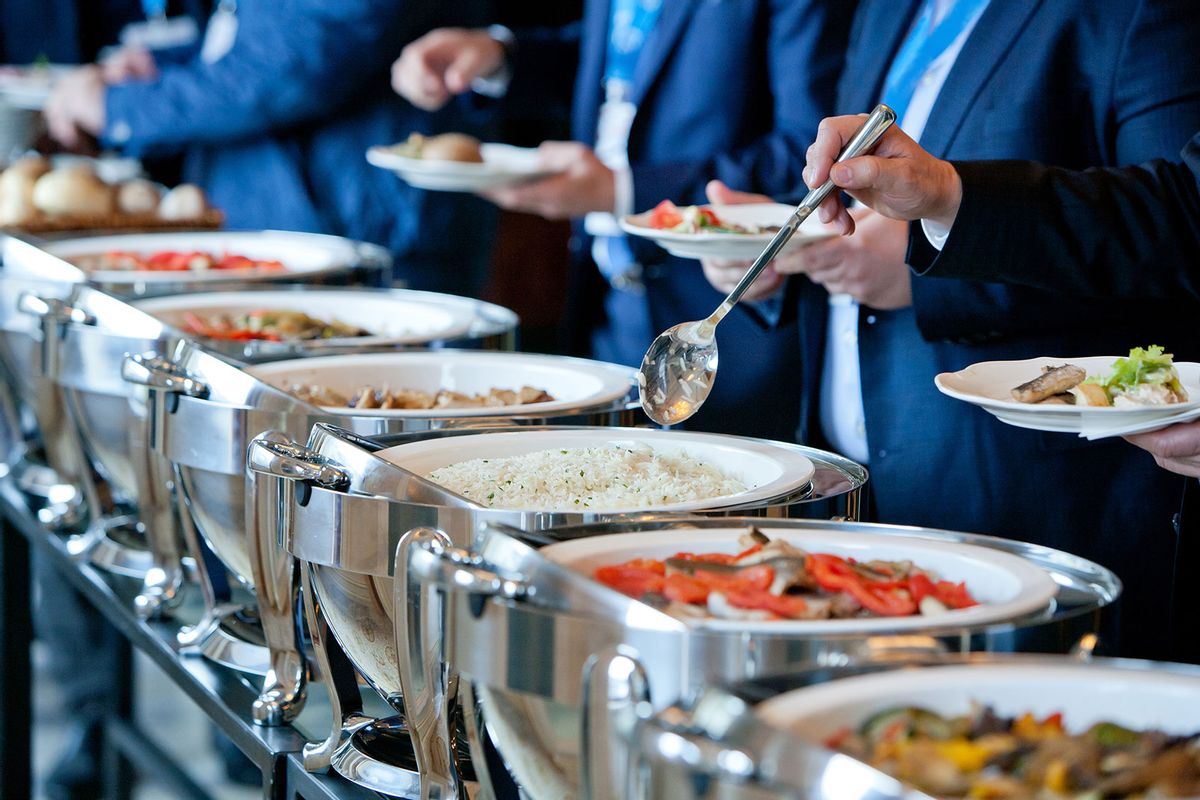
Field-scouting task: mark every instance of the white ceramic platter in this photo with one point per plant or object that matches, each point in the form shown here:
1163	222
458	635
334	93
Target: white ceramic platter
306	255
739	246
769	470
1006	586
1138	698
502	165
574	383
389	317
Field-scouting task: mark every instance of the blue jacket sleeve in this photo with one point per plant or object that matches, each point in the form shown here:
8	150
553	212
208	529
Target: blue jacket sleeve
806	47
291	62
1154	107
1124	233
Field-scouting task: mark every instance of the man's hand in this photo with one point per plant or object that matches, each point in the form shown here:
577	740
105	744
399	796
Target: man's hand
899	179
1176	448
442	63
869	265
724	274
129	64
583	184
76	107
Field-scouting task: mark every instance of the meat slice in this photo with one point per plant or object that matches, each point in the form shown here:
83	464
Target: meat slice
1055	380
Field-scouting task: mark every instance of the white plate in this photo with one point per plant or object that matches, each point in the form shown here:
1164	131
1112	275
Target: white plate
301	253
391	319
1006	586
739	246
502	165
573	382
770	471
1085	694
28	87
989	385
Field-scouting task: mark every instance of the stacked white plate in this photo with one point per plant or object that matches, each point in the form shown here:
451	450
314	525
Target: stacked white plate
989	385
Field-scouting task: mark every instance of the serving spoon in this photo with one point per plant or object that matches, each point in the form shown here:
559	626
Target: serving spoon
680	366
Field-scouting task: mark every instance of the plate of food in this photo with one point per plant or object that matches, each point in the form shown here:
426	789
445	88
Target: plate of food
1081	395
1028	729
610	471
336	318
717	231
450	383
456	162
811	582
203	257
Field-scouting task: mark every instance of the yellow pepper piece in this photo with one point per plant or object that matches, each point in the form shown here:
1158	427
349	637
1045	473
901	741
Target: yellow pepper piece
968	757
1058	777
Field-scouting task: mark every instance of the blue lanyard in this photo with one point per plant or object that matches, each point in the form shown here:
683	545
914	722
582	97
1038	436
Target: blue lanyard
924	45
155	9
629	26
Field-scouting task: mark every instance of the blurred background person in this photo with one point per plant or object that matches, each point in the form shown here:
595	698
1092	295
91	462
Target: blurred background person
1071	83
665	95
274	112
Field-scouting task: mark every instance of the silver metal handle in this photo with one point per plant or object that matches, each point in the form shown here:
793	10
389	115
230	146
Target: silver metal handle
53	309
864	139
295	462
155	372
428	689
435	561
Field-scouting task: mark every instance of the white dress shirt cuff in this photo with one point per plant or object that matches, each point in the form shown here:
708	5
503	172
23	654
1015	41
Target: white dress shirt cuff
622	191
496	84
935	233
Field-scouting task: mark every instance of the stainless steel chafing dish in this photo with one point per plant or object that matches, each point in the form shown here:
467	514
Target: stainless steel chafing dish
205	412
342	510
548	667
761	740
37	277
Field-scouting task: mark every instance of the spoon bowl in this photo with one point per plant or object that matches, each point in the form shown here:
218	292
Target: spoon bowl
678	371
679	368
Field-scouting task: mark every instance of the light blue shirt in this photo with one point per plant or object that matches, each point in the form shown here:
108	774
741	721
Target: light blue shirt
843	419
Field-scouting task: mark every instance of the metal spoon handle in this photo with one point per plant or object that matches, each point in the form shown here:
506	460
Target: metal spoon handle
864	139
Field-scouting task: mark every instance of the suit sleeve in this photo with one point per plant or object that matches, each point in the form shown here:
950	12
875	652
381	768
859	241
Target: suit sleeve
1117	233
1154	104
291	62
806	46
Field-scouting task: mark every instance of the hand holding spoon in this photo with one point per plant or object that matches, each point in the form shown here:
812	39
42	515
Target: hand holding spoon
680	366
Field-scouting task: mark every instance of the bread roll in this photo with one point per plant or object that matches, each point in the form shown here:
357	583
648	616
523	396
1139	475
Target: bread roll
185	201
16	188
138	197
17	210
33	167
452	147
73	190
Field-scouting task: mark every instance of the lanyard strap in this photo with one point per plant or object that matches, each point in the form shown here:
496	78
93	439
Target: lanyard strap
629	26
924	45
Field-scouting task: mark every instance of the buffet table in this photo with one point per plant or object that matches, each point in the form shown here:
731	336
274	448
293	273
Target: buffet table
224	695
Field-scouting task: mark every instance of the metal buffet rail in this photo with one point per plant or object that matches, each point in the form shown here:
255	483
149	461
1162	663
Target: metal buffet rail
224	695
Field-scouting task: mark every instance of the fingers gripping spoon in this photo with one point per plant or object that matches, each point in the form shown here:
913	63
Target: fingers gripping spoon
680	366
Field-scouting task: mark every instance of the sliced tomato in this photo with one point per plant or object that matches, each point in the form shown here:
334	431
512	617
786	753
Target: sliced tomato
758	578
787	606
920	587
885	598
685	589
749	551
665	215
954	595
884	602
708	218
634	581
709	558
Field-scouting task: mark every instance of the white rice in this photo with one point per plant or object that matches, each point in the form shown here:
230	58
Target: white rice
593	478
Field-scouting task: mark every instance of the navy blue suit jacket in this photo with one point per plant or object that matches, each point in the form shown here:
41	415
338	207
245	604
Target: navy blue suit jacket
729	89
277	131
1074	83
